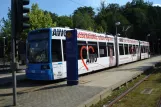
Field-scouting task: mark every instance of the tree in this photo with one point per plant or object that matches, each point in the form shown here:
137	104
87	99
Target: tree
137	2
136	13
39	19
85	9
108	16
6	25
5	31
99	29
54	16
83	18
64	21
100	19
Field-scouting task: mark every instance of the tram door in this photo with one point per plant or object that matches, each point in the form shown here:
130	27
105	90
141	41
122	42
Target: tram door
138	52
111	54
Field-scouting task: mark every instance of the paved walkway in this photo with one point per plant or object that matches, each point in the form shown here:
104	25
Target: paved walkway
90	89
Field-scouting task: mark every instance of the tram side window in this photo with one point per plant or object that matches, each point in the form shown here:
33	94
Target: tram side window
84	50
56	51
94	46
126	49
146	49
121	49
142	49
64	49
102	49
110	49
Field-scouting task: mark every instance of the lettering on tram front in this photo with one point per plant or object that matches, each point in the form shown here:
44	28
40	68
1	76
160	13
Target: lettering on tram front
59	32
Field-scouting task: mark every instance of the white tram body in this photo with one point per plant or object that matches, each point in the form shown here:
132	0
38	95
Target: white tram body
103	47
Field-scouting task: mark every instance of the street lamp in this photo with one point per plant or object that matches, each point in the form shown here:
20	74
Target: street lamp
118	34
147	37
117	24
116	45
4	50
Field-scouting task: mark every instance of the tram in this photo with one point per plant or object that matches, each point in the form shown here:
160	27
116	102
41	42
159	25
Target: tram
46	52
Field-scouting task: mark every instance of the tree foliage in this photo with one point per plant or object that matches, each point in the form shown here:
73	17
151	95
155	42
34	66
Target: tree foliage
39	19
83	18
65	21
137	18
5	25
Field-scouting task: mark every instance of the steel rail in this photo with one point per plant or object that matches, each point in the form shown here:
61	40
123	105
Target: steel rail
129	90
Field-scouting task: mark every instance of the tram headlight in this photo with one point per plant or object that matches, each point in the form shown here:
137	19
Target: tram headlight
45	67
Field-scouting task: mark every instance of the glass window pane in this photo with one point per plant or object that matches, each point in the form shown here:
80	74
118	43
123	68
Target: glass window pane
94	46
126	49
134	49
56	51
102	49
64	49
121	49
38	51
93	52
146	48
84	51
142	49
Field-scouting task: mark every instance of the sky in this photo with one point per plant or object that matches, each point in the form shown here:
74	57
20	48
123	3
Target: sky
64	7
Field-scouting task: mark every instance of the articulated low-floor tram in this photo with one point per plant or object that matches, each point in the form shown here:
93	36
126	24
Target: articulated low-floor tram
46	52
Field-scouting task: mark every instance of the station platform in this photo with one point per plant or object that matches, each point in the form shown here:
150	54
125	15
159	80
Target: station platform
91	88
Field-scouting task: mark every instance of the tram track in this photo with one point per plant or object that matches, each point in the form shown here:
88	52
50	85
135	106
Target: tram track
129	90
36	88
40	87
27	86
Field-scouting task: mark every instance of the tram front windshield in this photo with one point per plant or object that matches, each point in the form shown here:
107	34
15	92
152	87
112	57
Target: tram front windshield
38	48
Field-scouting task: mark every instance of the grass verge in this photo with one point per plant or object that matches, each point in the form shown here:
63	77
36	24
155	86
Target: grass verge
136	98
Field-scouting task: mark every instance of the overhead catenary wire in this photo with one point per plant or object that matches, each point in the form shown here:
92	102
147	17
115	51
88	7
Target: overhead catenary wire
77	3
